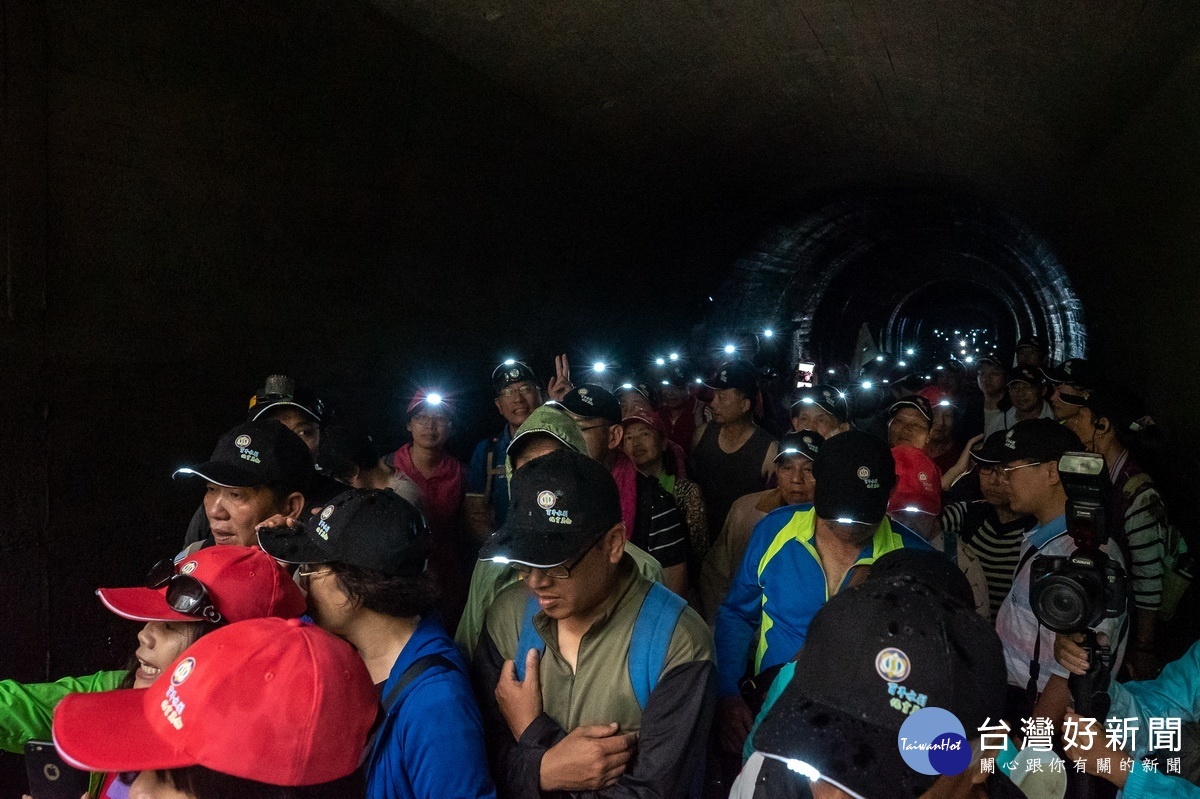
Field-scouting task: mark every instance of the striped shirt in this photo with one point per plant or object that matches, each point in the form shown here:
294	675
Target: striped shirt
997	543
658	525
1144	522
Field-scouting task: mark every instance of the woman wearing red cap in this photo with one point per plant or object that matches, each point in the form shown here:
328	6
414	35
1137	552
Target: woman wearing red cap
179	604
261	709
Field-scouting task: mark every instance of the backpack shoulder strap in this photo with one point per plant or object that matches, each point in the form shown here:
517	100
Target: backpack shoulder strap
529	638
652	634
415	670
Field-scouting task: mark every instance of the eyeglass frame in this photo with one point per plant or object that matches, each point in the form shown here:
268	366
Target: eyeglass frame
509	391
1006	470
163	574
525	569
308	575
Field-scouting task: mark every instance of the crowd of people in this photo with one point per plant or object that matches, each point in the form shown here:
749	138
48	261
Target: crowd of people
665	587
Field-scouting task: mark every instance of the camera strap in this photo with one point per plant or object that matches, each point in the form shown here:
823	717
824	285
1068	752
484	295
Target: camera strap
1035	665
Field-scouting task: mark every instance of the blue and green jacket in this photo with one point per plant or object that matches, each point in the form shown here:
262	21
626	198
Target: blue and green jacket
779	587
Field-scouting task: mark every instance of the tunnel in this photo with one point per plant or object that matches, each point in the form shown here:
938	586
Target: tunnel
373	195
924	270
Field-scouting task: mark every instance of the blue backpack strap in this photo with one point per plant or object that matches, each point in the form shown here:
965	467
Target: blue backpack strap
652	634
529	638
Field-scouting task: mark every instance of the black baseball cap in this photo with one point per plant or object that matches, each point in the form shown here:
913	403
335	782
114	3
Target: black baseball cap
281	390
911	649
1036	342
373	529
345	445
854	474
992	450
590	401
509	372
739	374
560	504
1025	374
256	453
1120	406
1076	372
634	385
826	397
1038	440
806	442
927	566
677	375
914	401
992	358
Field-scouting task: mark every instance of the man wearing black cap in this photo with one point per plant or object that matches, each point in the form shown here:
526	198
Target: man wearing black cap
652	519
731	455
1026	393
838	727
989	531
1072	382
681	412
486	501
586	663
1031	451
796	559
363	561
991	377
794	486
298	409
258	470
823	410
1032	353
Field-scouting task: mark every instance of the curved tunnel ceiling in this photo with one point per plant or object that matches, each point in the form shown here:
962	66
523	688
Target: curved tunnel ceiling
739	100
899	261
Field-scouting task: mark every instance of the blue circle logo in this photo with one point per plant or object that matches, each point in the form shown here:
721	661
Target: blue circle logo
933	741
892	664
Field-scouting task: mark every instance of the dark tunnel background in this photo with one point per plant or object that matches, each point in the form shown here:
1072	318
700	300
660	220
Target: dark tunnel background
374	196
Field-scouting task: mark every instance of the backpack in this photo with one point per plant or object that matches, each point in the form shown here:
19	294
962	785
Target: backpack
652	632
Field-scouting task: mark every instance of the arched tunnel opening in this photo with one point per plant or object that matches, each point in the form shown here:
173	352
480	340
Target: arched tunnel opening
933	273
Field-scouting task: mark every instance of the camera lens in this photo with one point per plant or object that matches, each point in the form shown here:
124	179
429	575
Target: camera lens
1062	604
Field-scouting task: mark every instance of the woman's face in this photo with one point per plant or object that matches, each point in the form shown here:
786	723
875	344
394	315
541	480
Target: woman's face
159	644
149	786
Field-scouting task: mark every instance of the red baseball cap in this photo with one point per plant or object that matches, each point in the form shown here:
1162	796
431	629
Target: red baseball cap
652	422
242	582
918	482
935	396
272	700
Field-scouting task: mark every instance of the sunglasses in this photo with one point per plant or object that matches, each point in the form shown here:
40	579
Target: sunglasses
185	594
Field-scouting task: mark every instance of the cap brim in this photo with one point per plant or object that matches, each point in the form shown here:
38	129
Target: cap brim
292	545
512	544
862	756
543	432
259	411
787	453
141	604
83	734
221	474
901	404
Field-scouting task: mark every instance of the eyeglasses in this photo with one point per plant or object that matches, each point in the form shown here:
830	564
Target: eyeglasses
561	572
989	470
1006	470
185	594
310	570
509	392
594	427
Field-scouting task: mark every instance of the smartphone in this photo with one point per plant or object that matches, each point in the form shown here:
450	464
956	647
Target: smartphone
49	776
805	374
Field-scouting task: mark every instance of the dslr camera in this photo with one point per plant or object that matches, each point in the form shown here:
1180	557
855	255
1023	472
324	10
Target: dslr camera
1074	593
